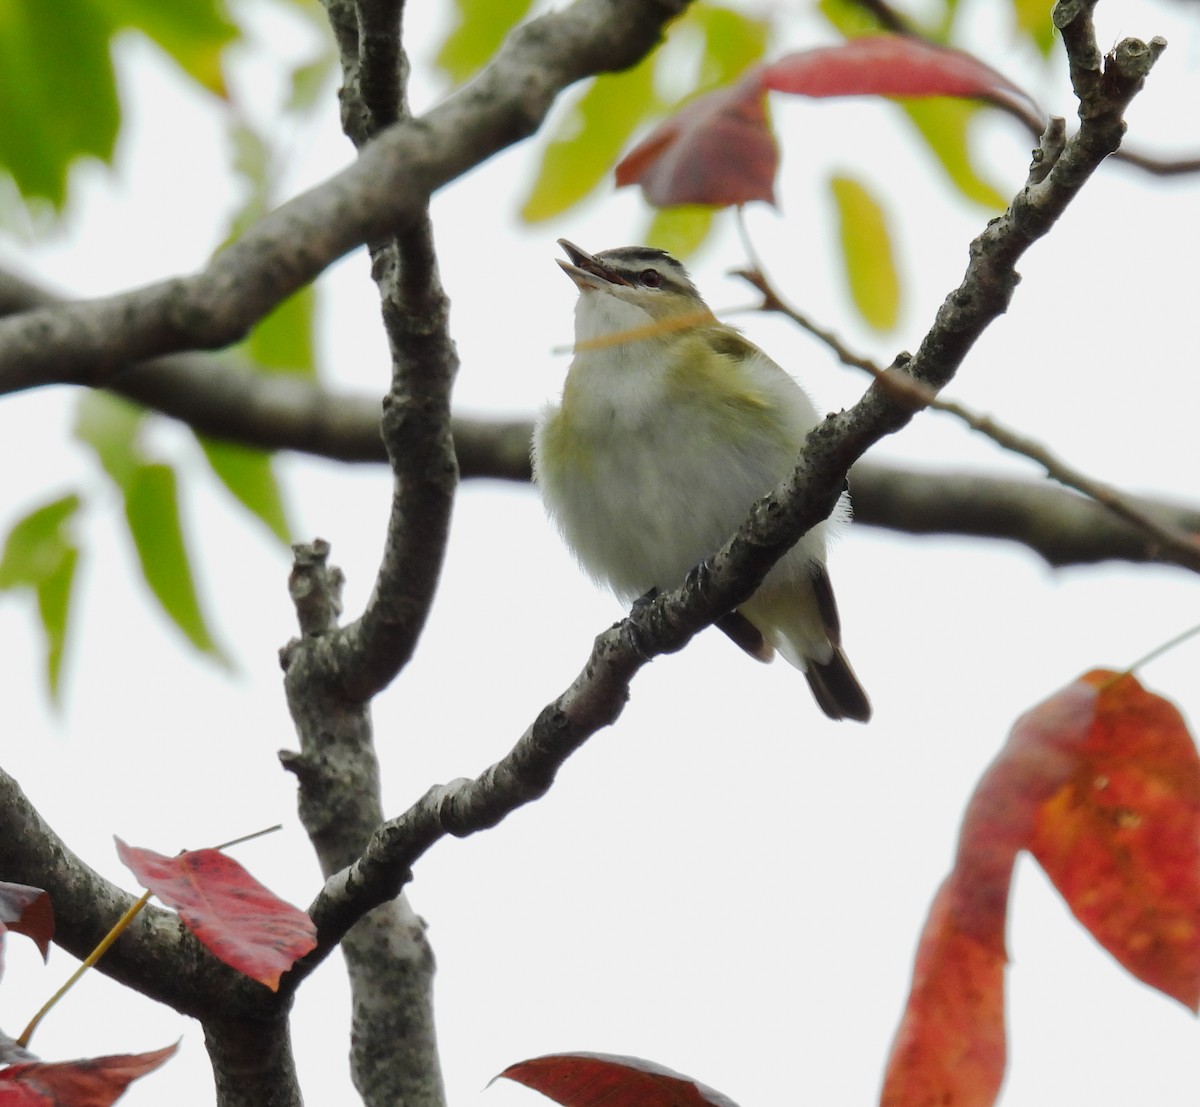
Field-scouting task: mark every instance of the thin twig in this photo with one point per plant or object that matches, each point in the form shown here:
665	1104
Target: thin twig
1181	547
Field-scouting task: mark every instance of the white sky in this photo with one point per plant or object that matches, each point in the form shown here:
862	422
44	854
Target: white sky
725	882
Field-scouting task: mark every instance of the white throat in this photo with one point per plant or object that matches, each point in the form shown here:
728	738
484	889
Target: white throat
599	315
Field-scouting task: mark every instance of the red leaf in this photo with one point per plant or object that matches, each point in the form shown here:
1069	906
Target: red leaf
241	922
602	1080
1120	837
719	150
27	911
890	65
1102	783
716	150
95	1082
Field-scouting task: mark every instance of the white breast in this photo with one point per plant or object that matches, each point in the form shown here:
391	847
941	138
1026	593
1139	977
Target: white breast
654	481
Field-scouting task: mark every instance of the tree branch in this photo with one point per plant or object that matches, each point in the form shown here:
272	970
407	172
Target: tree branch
383	192
1169	542
157	956
221	397
1060	526
889	19
597	696
227	398
332	674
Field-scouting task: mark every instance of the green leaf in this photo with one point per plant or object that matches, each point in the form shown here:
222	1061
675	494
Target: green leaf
944	122
733	42
249	476
587	141
308	82
681	230
58	93
590	137
849	17
477	33
867	252
1032	18
54	606
252	163
152	512
283	340
37	544
39	554
112	427
192	32
854	20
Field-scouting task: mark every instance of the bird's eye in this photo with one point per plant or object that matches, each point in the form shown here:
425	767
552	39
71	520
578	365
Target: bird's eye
651	278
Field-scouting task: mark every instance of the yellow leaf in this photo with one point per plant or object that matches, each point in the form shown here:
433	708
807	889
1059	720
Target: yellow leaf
867	252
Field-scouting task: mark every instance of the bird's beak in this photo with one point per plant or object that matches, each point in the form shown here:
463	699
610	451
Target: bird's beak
585	270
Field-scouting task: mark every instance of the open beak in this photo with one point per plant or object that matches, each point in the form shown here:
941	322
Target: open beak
585	270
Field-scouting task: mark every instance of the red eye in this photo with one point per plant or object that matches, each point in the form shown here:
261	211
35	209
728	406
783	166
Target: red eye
651	278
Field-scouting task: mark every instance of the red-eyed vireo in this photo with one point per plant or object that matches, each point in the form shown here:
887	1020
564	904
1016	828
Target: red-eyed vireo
671	425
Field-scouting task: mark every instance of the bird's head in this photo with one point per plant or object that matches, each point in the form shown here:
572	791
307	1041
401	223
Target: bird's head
638	277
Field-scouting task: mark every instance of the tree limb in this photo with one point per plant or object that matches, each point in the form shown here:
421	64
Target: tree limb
1169	542
157	956
382	193
889	19
218	396
1060	526
333	674
597	696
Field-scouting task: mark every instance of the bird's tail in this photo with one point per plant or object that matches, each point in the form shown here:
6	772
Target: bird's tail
836	689
801	621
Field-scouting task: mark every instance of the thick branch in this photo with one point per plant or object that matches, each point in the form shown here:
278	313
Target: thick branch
383	192
340	808
252	1062
1063	528
333	674
225	399
157	956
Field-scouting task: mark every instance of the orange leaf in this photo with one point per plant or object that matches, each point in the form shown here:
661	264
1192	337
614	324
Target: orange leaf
240	921
1120	837
950	1044
891	65
602	1080
1102	783
716	150
95	1082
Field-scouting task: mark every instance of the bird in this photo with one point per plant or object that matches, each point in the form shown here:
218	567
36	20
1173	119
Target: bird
670	426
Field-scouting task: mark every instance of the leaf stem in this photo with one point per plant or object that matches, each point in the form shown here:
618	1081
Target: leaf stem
119	927
249	837
1166	646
